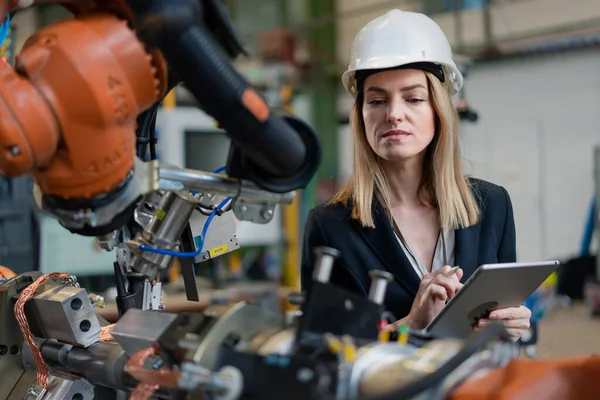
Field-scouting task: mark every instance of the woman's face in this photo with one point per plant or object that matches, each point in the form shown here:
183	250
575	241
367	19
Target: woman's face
399	117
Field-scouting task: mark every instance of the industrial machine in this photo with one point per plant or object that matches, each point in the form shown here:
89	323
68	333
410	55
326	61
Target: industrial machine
77	113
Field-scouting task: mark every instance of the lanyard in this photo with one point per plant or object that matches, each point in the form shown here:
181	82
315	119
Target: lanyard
412	253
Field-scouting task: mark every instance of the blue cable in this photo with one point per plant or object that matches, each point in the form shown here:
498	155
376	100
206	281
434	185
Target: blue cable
200	245
201	241
216	171
4	28
588	233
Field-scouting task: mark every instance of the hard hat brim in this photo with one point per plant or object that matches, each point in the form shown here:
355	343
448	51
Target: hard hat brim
454	78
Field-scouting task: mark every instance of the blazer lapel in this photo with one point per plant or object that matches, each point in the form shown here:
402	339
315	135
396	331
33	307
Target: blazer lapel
384	244
466	249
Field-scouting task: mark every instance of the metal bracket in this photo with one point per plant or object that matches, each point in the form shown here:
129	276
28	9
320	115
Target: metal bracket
152	297
220	237
123	253
253	212
35	392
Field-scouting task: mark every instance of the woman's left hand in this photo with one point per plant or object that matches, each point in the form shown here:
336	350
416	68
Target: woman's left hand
515	320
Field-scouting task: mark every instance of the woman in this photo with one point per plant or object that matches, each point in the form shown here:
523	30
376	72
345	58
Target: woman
408	209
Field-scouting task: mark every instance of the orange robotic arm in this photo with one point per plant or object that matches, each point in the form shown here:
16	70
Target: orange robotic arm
68	109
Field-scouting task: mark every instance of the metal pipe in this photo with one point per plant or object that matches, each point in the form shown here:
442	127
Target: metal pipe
458	6
101	364
487	23
324	264
164	230
379	283
173	178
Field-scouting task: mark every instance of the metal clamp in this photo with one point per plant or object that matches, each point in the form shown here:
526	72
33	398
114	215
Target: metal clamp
152	297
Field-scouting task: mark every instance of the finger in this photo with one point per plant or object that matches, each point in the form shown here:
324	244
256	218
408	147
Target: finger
511	313
515	334
521	323
459	273
442	271
436	292
458	287
452	285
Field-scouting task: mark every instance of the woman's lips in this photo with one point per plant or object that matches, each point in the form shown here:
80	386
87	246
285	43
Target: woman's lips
395	134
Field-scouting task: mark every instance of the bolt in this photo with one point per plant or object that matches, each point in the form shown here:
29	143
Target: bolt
324	263
304	375
267	214
379	282
348	304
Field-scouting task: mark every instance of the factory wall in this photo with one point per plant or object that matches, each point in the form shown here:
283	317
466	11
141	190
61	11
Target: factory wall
508	20
539	123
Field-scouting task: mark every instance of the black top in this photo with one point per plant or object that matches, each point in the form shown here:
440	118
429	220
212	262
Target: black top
491	240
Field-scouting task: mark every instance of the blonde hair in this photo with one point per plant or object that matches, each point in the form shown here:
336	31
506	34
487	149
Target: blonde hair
443	184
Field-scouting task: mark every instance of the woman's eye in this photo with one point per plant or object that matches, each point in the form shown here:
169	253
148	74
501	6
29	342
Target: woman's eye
415	100
375	102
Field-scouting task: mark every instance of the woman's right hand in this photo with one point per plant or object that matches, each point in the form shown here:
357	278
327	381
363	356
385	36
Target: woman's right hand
435	289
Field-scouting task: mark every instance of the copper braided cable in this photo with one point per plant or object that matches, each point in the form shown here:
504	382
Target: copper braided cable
149	380
105	334
43	374
143	391
6	273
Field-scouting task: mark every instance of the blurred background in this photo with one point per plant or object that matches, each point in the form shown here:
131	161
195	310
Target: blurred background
530	113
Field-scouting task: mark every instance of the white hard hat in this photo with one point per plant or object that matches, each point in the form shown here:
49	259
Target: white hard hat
399	38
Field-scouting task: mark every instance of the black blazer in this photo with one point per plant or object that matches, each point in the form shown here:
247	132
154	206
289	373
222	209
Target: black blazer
491	240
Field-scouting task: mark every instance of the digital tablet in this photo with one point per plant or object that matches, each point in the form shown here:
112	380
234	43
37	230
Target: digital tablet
491	287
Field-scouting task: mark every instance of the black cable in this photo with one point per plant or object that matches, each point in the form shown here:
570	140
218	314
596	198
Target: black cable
153	137
483	337
145	131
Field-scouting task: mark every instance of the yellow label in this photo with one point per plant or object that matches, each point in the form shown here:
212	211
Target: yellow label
218	250
160	214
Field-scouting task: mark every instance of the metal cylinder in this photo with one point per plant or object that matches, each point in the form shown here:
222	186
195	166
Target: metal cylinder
325	259
163	232
379	282
296	299
101	364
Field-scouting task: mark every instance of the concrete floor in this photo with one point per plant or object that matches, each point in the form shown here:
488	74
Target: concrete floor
568	332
